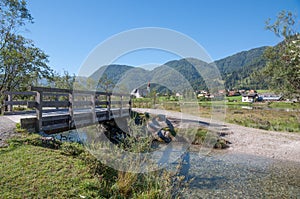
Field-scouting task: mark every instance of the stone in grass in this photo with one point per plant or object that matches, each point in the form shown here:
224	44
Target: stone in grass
222	144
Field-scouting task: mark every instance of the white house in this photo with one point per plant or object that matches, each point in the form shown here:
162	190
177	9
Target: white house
136	93
250	97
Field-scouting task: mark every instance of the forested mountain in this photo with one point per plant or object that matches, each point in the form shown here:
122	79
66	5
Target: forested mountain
239	60
113	72
176	73
240	71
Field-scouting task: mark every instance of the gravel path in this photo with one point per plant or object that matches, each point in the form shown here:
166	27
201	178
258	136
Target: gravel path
250	141
7	127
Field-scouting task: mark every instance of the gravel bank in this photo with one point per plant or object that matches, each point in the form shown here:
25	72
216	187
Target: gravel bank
7	127
249	141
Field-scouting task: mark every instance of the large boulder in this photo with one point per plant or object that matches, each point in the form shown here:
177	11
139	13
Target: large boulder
161	129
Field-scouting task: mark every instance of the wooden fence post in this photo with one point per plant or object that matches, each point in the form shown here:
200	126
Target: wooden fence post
130	104
93	107
108	102
39	110
10	99
71	110
56	99
121	105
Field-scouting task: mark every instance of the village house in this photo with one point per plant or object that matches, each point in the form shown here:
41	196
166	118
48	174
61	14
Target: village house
221	92
139	93
251	97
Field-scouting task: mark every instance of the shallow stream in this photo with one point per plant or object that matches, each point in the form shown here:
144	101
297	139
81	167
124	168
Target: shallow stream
225	175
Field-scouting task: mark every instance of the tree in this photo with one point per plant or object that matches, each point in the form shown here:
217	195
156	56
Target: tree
283	66
64	81
21	63
105	84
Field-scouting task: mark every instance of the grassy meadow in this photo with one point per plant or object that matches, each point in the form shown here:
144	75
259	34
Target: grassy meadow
267	115
31	168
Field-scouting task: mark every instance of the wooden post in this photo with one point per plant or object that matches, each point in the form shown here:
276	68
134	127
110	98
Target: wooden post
56	99
39	111
130	104
71	110
93	107
108	101
121	105
10	99
85	99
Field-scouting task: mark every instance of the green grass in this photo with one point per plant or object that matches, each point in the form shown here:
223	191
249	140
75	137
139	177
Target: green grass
276	120
283	105
265	119
29	171
234	98
200	135
264	91
31	168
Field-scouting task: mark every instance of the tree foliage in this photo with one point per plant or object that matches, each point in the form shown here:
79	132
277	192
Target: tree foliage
105	84
65	81
283	66
242	70
21	62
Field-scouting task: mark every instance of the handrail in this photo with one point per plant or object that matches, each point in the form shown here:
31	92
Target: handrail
86	99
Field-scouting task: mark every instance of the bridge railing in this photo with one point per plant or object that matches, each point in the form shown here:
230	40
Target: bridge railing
11	102
75	103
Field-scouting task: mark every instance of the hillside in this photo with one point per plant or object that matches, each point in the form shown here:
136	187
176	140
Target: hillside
113	72
241	70
239	60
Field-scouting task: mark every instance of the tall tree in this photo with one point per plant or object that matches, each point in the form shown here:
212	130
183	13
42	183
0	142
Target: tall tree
105	84
21	63
66	80
283	66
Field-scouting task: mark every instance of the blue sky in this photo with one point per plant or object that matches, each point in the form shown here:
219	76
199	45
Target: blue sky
68	30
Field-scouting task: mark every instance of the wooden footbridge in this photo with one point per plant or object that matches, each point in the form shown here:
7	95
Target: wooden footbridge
53	110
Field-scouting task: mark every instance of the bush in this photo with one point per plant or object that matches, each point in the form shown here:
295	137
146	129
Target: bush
200	135
35	140
71	149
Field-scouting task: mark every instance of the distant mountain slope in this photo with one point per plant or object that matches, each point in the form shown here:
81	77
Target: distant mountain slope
188	70
113	72
240	70
242	59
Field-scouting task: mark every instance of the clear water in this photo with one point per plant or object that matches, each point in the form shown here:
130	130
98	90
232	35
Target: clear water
226	175
68	136
240	176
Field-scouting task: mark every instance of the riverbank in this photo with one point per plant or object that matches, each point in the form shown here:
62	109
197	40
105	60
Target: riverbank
258	164
245	140
269	144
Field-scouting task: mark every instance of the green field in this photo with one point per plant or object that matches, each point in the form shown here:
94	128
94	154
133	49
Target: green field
266	115
30	168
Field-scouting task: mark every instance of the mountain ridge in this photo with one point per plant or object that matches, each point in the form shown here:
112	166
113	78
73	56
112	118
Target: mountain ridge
237	71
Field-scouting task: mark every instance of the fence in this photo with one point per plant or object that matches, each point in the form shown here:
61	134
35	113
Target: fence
68	106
